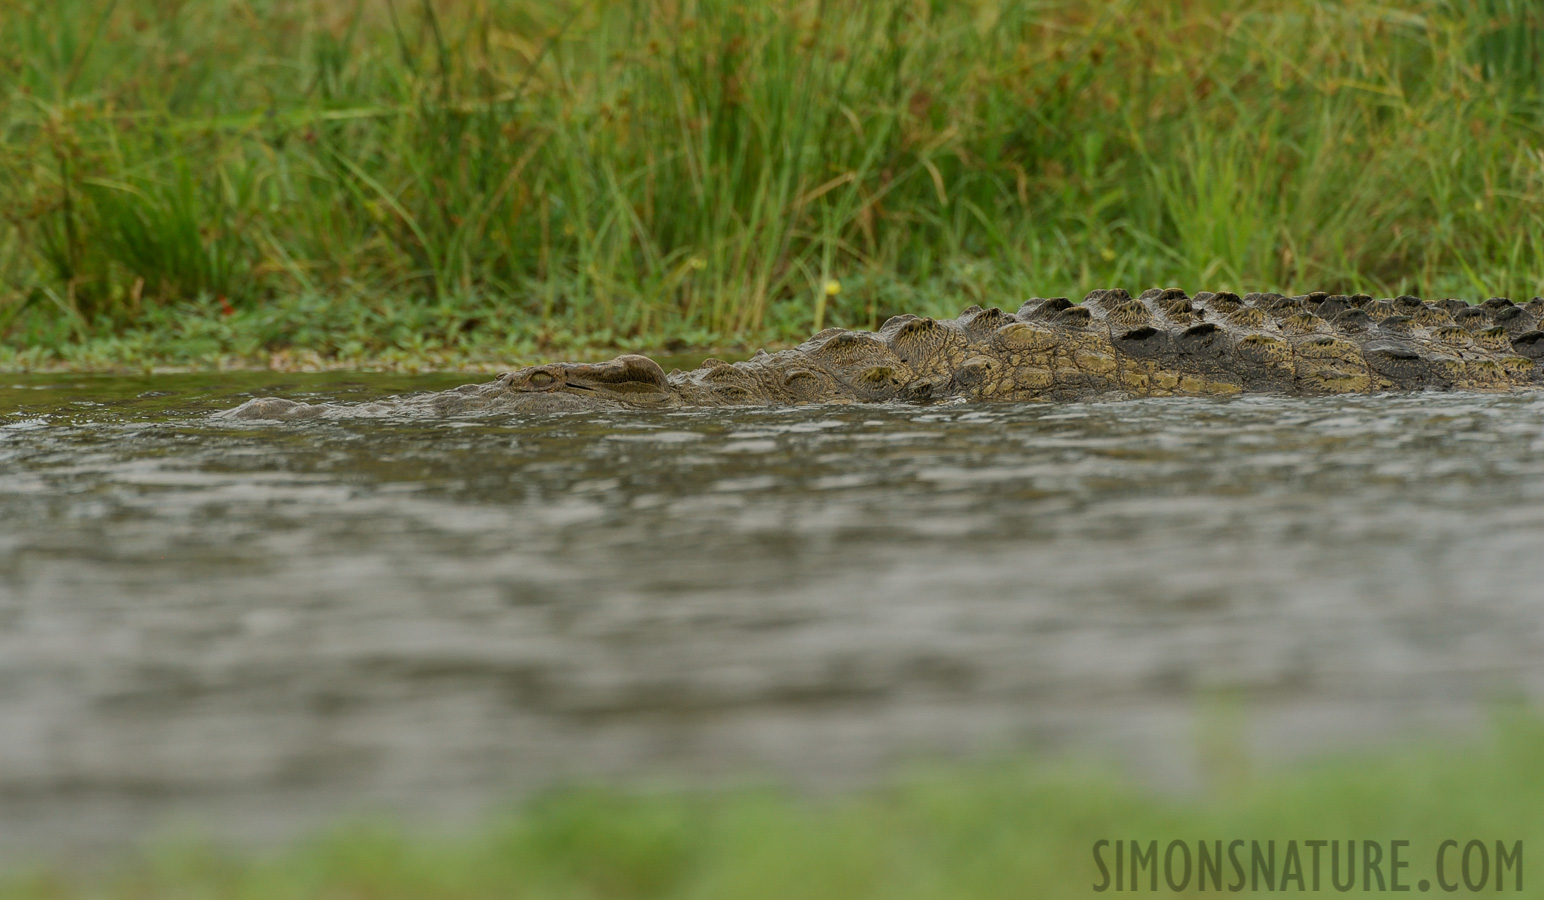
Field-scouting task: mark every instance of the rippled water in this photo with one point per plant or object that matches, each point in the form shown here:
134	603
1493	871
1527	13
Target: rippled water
259	627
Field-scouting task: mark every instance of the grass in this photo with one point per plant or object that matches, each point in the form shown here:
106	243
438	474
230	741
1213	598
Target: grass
454	181
1008	831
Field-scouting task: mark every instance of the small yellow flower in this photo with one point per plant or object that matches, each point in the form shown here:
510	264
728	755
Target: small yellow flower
1107	253
833	287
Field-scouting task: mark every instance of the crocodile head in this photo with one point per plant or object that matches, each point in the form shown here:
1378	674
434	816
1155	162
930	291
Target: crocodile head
627	381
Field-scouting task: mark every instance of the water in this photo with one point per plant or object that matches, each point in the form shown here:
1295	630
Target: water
256	628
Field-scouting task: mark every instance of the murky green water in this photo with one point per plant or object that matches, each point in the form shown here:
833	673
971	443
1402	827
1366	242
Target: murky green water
259	627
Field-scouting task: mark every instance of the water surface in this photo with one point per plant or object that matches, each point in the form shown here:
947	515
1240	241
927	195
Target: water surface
259	627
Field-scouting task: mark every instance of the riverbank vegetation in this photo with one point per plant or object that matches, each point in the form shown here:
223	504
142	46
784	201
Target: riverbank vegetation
1003	831
428	182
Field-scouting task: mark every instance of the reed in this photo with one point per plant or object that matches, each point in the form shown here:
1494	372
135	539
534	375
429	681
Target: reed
650	172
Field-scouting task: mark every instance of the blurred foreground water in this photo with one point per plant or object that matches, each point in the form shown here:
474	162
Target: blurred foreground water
253	629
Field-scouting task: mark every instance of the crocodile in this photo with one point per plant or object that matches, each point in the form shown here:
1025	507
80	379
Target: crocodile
1159	344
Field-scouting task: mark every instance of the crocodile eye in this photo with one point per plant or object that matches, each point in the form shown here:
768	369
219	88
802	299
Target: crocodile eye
540	379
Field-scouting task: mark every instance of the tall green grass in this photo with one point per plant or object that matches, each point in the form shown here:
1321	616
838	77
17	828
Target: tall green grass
619	171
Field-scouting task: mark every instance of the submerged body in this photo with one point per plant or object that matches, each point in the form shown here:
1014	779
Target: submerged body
1163	343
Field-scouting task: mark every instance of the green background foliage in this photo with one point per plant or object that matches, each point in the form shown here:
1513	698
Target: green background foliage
1003	830
641	172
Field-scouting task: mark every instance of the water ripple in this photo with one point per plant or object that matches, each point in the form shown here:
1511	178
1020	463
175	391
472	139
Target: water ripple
198	615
